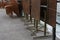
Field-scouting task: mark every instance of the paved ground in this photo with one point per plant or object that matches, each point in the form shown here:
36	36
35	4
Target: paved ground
14	28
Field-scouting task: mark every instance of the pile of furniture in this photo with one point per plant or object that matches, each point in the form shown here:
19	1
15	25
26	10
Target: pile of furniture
11	6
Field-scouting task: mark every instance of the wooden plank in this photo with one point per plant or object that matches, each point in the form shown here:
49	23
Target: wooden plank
26	6
52	5
35	9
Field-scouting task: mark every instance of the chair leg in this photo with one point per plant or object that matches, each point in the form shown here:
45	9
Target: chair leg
36	28
45	29
30	18
11	14
54	33
26	17
36	25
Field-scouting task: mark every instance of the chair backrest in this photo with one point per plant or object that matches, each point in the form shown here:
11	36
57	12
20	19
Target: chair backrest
52	8
26	6
35	9
51	11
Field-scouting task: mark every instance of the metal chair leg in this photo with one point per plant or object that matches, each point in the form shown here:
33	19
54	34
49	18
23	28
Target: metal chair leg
45	30
31	28
45	23
54	33
36	25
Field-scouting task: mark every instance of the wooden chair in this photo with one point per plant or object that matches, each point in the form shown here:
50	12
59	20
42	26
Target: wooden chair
12	7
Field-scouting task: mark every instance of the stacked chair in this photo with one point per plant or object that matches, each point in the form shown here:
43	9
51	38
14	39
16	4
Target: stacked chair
44	10
11	6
